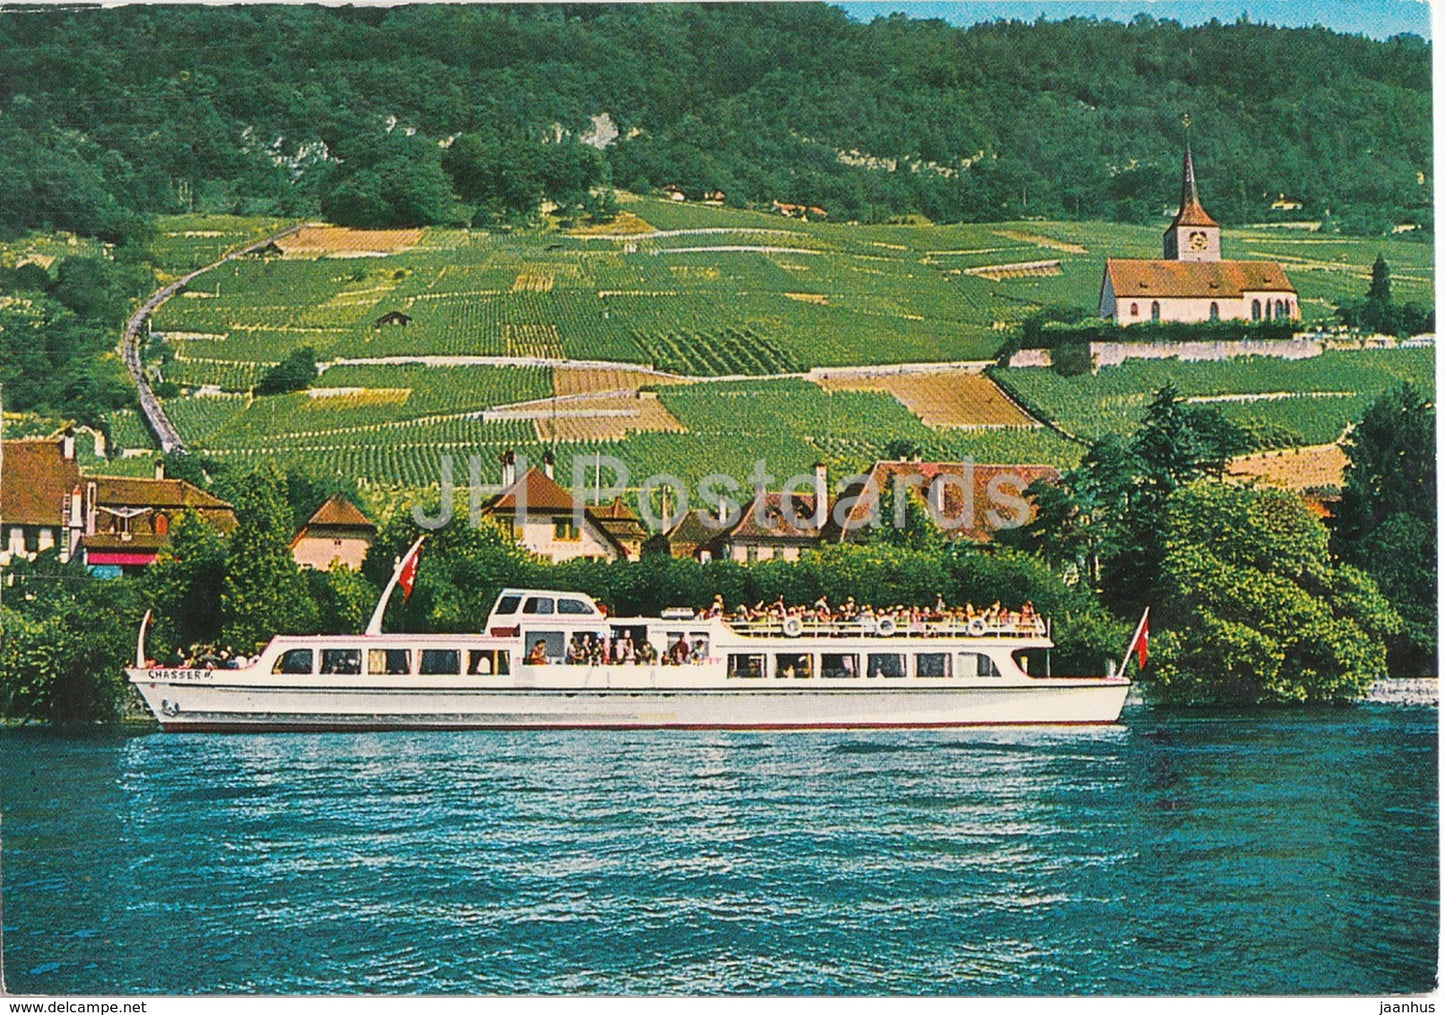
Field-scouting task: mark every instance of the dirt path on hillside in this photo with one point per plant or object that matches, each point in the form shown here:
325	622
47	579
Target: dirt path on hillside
150	405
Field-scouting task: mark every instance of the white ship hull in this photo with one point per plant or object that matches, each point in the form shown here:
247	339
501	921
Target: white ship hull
193	702
528	670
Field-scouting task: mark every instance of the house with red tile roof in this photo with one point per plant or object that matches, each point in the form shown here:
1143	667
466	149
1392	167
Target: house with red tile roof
1193	282
109	521
338	532
42	499
624	526
772	524
128	519
545	518
968	500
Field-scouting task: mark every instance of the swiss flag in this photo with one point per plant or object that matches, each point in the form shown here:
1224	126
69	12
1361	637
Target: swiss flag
1141	647
407	578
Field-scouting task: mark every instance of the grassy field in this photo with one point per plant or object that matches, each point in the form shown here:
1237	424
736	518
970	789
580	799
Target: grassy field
704	294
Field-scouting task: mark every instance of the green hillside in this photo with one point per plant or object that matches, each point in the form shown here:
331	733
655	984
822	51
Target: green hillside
116	114
709	293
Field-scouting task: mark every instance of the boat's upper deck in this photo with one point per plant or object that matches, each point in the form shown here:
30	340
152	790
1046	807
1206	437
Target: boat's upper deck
779	620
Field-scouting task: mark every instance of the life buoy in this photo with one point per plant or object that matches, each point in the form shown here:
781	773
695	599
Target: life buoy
976	626
792	627
887	627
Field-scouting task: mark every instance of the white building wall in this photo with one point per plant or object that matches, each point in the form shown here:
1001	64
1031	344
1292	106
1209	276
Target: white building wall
1108	305
1192	310
321	552
539	535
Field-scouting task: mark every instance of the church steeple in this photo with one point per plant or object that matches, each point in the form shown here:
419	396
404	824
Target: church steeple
1200	232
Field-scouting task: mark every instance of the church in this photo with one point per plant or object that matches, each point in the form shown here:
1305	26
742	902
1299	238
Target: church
1193	282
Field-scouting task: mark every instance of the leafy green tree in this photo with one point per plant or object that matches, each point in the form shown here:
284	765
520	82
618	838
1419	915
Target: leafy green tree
307	491
1379	292
460	572
344	599
1386	519
1175	444
390	181
496	176
294	373
568	171
1251	609
264	593
185	585
56	662
1083	520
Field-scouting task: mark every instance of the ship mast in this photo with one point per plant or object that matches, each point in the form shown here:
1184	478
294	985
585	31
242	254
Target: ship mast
374	627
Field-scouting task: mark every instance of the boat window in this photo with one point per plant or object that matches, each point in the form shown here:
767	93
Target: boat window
488	662
391	661
976	664
839	664
293	661
885	664
341	660
745	664
436	662
794	664
540	604
554	642
933	664
576	607
507	605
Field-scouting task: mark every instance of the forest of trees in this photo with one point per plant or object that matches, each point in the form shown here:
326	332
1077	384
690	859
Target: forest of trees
473	113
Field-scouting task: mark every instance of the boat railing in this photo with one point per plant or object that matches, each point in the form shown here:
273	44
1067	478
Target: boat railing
795	626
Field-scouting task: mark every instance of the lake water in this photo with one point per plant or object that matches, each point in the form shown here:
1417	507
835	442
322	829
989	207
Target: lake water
1280	853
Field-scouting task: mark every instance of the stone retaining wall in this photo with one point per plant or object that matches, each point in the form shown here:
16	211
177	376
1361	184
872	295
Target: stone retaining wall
1406	691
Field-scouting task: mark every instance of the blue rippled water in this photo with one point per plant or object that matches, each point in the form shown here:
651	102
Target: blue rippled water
1182	854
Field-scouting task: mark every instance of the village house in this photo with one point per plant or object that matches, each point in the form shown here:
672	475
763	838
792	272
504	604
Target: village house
772	524
393	317
337	533
783	525
973	511
548	523
41	498
1193	282
108	521
128	520
799	211
622	525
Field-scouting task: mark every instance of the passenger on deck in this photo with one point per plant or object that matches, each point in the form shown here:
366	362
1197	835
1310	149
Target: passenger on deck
680	651
538	655
576	652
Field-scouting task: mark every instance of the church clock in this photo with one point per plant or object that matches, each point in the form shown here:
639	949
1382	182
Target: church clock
1198	240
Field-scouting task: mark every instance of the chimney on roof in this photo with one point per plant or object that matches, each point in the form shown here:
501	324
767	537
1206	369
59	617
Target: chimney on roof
67	444
549	464
160	468
820	494
509	467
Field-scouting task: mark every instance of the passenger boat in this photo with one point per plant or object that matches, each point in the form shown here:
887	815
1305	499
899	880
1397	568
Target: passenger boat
709	672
